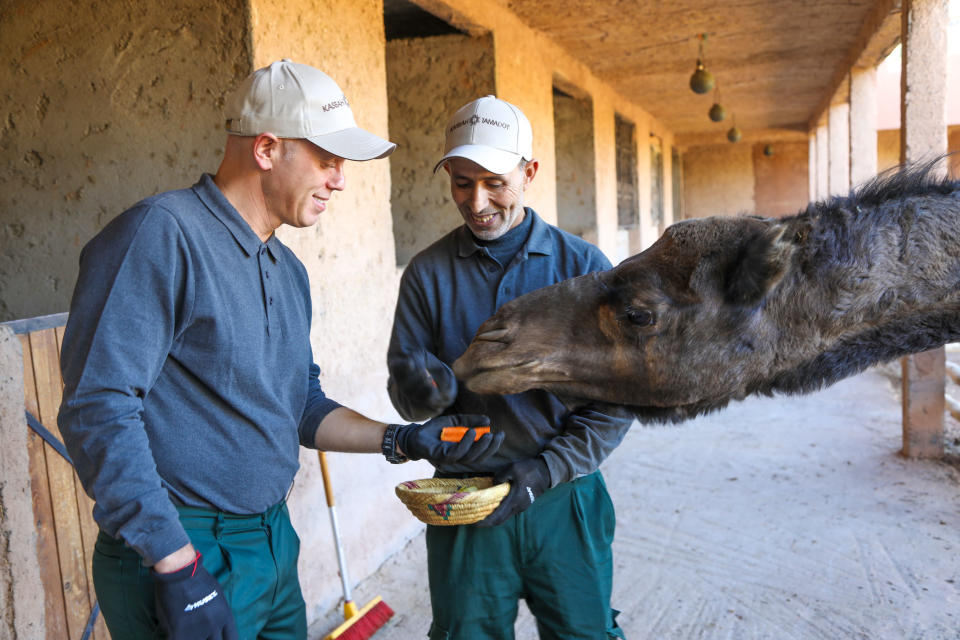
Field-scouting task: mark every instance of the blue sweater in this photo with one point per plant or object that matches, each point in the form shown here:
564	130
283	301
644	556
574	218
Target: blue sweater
446	293
188	373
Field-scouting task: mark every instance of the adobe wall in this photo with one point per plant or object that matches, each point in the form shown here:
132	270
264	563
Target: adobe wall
888	149
99	110
426	83
575	166
781	184
718	181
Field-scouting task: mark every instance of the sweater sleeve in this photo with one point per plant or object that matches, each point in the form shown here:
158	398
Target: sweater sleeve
317	407
592	431
589	435
411	333
132	297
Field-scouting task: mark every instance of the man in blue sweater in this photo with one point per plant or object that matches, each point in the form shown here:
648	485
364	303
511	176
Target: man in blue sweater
549	540
190	382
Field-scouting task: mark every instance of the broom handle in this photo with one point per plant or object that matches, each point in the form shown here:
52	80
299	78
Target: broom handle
349	608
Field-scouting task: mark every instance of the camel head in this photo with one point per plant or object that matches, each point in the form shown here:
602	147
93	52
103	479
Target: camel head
671	331
721	308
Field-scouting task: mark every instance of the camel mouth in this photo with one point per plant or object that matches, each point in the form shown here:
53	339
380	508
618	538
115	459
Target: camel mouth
513	377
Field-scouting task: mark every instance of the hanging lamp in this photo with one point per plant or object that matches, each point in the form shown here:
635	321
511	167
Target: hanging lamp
734	135
717	113
701	81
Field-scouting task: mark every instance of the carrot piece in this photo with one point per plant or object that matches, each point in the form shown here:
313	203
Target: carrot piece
455	434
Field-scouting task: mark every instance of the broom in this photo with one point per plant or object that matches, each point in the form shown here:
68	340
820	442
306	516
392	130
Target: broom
358	624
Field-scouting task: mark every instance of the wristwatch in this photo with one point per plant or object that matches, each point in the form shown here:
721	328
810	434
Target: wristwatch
389	445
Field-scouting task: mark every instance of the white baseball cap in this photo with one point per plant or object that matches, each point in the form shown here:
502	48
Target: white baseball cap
491	132
292	100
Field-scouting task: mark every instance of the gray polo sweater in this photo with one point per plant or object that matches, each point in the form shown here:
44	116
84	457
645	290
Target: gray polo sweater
188	373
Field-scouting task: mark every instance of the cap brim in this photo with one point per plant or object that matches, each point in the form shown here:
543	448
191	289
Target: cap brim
354	144
493	160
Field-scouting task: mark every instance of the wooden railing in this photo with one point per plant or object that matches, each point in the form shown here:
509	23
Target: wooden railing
66	531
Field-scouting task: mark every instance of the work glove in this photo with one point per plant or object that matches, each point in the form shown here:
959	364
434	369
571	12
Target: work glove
528	480
427	385
423	441
191	605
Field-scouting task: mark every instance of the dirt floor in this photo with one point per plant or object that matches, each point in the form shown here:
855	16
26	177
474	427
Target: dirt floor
777	518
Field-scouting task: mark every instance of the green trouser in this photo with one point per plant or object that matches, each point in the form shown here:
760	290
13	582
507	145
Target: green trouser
253	557
556	555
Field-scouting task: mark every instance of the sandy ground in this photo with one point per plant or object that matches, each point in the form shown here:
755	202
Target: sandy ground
786	518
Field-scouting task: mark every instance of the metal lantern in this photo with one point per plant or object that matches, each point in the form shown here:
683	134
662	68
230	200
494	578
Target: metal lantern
702	80
717	112
734	135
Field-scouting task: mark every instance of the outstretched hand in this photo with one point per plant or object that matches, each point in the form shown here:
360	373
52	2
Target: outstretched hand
425	381
423	440
528	480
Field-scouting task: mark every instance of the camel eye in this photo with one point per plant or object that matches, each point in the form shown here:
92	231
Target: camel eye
641	317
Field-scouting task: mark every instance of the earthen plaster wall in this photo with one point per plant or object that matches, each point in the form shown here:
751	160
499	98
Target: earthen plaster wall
781	180
888	149
718	181
575	166
99	109
428	79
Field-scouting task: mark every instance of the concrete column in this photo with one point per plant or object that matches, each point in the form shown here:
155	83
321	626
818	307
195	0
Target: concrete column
823	162
838	126
923	80
923	135
863	125
812	165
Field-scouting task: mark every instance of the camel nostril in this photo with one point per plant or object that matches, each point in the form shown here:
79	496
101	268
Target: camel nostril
493	335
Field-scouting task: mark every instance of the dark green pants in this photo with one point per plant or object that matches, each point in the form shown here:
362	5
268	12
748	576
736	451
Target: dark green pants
253	557
556	555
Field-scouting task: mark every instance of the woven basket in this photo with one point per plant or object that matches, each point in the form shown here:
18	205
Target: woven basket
450	501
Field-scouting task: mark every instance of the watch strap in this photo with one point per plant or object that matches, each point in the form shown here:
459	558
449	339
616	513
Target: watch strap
389	445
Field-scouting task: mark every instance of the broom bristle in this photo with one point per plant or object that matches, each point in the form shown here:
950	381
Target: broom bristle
365	623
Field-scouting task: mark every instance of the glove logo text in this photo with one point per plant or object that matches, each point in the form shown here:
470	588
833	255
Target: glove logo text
530	493
202	601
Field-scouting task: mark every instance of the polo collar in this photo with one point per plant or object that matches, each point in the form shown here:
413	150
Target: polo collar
538	242
211	196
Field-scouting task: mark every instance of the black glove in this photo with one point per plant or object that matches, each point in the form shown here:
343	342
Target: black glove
423	440
528	480
427	385
191	605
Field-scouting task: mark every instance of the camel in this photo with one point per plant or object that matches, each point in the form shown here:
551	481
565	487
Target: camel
722	308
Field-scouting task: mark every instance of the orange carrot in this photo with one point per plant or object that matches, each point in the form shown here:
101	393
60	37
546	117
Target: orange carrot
455	434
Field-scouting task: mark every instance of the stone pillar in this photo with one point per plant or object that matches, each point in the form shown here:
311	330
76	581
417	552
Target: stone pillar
812	165
823	162
838	126
923	135
863	125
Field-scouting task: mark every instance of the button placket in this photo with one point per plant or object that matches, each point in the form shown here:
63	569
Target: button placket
263	263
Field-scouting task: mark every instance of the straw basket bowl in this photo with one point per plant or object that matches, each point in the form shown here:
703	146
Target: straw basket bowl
450	501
